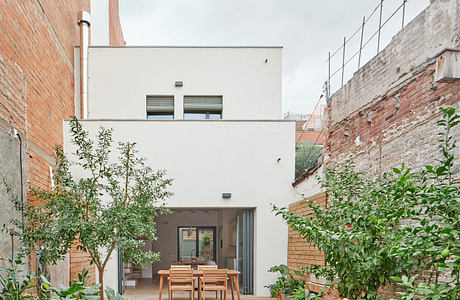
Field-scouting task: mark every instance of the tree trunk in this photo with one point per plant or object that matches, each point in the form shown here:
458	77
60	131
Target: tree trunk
101	282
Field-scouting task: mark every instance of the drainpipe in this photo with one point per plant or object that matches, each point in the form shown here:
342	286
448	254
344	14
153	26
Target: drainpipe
84	22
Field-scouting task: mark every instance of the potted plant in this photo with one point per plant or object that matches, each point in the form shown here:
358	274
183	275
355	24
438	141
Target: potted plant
286	285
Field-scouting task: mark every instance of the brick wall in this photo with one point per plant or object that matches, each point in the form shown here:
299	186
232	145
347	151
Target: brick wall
301	253
37	38
386	114
399	126
115	33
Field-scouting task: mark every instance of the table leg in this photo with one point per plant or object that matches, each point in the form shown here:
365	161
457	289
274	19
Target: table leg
237	287
231	286
160	288
199	288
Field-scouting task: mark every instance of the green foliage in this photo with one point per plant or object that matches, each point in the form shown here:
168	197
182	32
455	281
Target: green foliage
107	206
391	225
306	156
299	293
432	240
77	290
112	295
14	285
206	240
286	282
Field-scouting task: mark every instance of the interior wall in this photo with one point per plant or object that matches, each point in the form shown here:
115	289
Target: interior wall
167	232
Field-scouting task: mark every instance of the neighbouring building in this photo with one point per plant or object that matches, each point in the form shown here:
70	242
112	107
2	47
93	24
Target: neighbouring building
37	40
386	113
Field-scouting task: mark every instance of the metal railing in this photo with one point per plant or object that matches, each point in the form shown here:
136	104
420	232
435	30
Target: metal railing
362	43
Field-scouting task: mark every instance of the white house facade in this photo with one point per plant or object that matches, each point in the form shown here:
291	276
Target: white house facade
211	117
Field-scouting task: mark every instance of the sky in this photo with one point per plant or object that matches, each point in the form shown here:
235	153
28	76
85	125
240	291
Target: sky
306	29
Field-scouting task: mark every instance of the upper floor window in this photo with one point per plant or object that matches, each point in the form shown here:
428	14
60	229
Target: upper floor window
160	107
202	107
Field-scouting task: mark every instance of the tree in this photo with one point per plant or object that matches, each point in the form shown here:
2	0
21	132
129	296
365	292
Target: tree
108	206
306	157
384	227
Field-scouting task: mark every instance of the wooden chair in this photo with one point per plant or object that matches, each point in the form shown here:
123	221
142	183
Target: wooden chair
208	267
180	267
214	280
181	280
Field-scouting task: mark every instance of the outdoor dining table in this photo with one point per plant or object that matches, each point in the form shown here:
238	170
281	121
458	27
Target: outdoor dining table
231	274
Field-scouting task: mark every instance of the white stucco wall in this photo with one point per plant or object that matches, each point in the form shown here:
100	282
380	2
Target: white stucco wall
208	158
309	187
121	77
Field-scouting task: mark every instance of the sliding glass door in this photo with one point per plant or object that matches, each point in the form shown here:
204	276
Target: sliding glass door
196	244
245	250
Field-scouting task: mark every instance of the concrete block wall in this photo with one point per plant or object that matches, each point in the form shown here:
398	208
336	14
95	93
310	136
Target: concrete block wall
37	38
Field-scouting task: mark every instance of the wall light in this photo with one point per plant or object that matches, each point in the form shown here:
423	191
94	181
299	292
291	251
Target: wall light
226	195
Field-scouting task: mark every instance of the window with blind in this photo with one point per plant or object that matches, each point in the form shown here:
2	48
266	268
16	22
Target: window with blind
160	107
203	107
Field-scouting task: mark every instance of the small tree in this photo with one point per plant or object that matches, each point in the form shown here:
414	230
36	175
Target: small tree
306	156
107	206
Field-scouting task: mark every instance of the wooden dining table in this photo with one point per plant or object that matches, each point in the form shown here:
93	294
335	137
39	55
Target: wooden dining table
231	274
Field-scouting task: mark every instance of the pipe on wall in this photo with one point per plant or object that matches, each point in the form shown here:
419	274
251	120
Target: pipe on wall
84	23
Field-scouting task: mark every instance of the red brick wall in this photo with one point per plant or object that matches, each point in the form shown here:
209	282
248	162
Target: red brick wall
37	38
115	34
301	253
399	126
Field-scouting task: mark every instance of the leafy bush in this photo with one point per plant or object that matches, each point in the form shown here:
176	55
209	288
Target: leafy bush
306	157
286	282
77	290
378	228
14	285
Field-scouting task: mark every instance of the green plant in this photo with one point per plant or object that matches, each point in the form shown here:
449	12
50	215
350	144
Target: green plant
107	206
286	282
206	239
112	295
306	156
380	227
14	285
299	293
77	290
432	240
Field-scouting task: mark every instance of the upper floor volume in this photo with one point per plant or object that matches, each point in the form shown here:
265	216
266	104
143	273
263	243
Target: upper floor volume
183	83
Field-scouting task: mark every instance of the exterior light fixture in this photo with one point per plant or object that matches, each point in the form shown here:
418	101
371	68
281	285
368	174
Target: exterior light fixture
179	83
226	195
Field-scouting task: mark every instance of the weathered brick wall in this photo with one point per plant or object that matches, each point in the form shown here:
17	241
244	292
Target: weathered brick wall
37	38
386	114
115	34
433	30
397	127
301	253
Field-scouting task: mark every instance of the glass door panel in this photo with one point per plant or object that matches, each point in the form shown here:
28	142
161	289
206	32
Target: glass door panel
186	243
196	244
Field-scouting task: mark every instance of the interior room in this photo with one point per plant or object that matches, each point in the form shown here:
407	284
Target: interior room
188	236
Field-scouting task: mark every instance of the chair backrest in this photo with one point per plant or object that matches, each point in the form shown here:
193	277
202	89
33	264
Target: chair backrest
207	267
181	276
180	267
216	275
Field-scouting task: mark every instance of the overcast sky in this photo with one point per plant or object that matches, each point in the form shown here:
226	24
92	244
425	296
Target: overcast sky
306	29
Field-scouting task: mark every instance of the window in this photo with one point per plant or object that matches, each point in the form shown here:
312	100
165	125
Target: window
202	107
160	107
196	242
